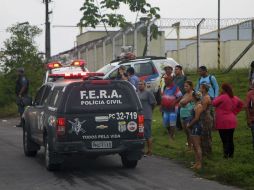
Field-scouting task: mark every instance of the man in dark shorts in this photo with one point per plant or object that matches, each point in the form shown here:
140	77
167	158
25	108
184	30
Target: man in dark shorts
148	103
21	90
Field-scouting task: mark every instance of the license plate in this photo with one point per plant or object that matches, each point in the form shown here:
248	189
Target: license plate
101	144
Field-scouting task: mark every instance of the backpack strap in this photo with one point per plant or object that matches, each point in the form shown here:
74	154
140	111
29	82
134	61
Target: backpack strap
211	82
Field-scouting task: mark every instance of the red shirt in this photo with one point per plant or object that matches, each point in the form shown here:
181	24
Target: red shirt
226	109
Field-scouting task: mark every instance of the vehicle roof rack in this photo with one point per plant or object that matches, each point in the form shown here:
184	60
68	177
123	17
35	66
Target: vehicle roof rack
140	57
151	57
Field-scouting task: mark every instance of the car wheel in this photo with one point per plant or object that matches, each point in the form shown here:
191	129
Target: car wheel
128	163
51	158
28	144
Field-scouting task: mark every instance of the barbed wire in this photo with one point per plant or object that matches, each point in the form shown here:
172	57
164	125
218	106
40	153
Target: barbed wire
210	23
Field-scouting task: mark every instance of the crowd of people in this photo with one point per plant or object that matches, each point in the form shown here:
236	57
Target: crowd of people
197	110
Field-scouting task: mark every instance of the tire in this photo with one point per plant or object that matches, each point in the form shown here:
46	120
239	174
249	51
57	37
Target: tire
51	158
30	148
128	163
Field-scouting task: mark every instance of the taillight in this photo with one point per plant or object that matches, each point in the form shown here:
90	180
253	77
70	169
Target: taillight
141	121
60	127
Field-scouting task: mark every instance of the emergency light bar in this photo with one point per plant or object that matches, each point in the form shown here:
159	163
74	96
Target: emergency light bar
79	62
53	65
84	75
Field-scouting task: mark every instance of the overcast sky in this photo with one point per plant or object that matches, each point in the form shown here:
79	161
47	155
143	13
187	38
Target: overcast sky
66	12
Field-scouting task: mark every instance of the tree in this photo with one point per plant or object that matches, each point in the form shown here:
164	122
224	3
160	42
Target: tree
19	51
92	14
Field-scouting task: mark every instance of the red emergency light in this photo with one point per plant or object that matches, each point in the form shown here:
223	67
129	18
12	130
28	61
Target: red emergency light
84	75
78	63
74	75
53	65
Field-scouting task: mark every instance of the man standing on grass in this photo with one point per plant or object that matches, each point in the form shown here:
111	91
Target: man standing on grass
148	103
208	79
179	80
169	105
133	79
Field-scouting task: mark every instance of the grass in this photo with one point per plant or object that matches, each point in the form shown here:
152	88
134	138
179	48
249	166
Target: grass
237	171
9	111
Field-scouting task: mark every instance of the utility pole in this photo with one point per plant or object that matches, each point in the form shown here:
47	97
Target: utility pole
219	64
47	30
198	41
177	26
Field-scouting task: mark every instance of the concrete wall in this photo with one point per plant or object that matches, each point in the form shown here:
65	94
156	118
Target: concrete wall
95	58
230	50
90	36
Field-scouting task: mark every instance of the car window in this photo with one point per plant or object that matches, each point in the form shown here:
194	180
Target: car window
46	94
107	68
113	75
56	96
38	97
144	69
161	63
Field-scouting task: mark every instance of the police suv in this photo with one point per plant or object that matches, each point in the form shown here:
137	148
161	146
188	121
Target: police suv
87	116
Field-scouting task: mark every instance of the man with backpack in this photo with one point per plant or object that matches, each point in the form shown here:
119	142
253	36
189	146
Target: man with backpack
208	79
250	110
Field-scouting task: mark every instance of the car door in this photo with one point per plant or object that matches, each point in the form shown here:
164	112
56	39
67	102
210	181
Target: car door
40	113
33	111
145	71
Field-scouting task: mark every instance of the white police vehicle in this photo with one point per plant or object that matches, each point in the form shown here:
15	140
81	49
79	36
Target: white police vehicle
150	69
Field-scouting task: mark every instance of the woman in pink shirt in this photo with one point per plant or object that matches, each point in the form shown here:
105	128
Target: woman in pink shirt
226	107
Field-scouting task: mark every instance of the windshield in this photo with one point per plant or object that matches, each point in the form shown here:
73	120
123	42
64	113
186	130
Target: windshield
71	69
106	69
